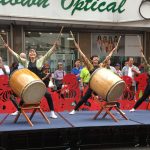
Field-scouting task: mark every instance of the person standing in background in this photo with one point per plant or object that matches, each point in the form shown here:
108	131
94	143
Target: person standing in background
59	75
118	71
77	69
131	71
22	55
4	69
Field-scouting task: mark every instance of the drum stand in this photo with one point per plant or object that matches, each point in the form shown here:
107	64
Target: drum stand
33	107
107	107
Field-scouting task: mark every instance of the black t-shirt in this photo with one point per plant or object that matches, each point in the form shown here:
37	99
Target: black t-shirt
95	67
32	67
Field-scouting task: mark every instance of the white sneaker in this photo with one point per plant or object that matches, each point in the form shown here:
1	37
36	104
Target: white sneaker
132	110
15	113
72	112
52	115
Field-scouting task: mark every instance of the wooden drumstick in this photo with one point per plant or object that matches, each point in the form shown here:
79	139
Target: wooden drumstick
105	61
118	42
59	35
73	37
142	49
2	39
85	59
140	43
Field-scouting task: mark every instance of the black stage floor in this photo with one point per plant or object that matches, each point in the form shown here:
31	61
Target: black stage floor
77	131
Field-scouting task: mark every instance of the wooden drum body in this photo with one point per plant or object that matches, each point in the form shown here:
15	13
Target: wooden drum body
27	85
106	84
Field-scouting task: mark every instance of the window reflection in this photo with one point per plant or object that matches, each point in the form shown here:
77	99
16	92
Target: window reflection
42	42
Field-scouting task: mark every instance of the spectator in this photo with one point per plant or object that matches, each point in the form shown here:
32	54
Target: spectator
4	69
118	71
77	69
59	75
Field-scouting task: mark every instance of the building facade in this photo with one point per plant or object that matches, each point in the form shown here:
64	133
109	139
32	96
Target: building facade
96	25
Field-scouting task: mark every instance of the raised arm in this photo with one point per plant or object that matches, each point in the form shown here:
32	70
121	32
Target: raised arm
19	59
85	59
42	60
104	63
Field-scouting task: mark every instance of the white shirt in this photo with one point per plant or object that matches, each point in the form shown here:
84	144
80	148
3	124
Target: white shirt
20	66
130	72
7	70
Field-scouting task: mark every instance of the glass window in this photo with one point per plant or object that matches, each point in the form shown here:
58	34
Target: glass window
42	42
129	45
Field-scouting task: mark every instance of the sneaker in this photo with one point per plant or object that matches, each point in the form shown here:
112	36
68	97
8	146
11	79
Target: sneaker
132	110
52	115
72	112
15	113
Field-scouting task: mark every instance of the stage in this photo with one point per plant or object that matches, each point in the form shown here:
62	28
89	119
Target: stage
75	131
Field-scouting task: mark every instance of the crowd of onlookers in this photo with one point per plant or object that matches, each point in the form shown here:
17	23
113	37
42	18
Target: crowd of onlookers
81	72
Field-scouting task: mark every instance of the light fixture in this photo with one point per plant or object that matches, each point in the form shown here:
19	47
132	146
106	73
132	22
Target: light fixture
70	39
2	31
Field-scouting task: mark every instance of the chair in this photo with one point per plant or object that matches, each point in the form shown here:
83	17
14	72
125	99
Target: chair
107	107
23	107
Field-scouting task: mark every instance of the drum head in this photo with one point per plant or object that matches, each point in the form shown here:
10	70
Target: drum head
116	91
33	92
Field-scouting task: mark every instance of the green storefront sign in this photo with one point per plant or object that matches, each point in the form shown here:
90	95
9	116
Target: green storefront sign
74	5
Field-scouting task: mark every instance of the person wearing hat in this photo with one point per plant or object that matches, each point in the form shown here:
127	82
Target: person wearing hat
118	71
35	65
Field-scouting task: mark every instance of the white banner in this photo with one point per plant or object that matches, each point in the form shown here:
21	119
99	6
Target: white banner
73	10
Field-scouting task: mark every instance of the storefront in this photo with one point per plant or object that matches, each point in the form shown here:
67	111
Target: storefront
96	25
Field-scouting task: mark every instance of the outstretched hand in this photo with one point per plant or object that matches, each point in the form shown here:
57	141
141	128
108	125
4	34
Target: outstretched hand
6	45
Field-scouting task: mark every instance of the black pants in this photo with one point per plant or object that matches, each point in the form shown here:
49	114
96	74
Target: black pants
143	98
48	98
58	84
84	99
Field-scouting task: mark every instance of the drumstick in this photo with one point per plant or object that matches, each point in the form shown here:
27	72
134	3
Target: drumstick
140	43
118	42
59	35
105	61
2	39
85	59
73	37
142	49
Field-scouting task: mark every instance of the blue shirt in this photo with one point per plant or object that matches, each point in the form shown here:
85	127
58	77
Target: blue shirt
76	71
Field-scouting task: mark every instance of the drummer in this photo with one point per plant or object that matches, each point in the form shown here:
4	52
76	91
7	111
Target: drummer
35	65
92	66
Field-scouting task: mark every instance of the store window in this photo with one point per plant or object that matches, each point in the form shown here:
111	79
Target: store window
129	46
42	42
3	51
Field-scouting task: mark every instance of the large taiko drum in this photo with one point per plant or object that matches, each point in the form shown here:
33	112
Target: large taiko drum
27	85
106	84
